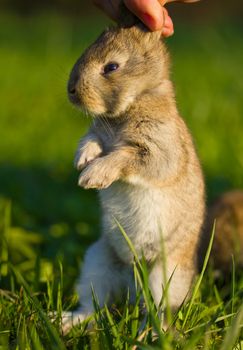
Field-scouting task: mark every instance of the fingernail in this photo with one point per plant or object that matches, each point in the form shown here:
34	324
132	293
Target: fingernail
167	21
167	32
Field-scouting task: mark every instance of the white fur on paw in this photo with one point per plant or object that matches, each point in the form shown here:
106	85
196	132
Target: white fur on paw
99	174
88	181
86	154
71	319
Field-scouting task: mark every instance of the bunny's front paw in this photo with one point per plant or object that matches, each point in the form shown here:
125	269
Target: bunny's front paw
86	154
99	174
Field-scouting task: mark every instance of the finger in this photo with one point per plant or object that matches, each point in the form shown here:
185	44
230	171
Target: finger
168	27
163	2
150	12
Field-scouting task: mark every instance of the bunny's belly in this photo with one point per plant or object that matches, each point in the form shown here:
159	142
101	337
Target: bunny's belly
145	215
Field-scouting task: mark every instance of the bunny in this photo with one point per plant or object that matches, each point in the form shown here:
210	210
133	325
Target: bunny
140	155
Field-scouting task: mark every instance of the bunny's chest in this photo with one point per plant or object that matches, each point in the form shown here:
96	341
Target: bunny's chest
141	212
110	134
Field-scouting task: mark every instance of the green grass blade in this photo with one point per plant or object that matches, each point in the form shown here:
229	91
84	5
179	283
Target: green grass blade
129	244
57	343
233	285
4	254
234	331
199	281
35	340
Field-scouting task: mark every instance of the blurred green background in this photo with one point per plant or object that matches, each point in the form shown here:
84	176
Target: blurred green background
44	216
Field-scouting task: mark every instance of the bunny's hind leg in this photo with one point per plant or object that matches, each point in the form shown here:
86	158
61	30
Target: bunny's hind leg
177	282
103	274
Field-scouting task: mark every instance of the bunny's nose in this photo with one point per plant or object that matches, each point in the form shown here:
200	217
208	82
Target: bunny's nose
72	89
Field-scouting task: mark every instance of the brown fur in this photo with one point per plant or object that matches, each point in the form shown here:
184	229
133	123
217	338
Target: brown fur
227	212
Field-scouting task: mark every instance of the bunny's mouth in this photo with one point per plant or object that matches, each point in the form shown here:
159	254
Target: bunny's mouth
73	96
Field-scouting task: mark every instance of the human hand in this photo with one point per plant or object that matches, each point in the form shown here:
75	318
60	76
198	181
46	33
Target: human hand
150	12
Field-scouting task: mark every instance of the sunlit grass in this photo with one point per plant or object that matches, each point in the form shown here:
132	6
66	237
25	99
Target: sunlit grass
208	320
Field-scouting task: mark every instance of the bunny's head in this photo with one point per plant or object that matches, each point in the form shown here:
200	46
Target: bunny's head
120	66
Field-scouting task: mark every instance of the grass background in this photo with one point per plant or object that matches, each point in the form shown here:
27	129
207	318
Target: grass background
45	218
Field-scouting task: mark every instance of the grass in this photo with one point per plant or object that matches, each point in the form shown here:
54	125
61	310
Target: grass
47	222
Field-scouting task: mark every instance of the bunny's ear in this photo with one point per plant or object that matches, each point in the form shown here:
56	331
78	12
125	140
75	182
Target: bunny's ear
125	18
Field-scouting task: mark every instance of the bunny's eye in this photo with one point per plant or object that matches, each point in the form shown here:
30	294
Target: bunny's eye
110	67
